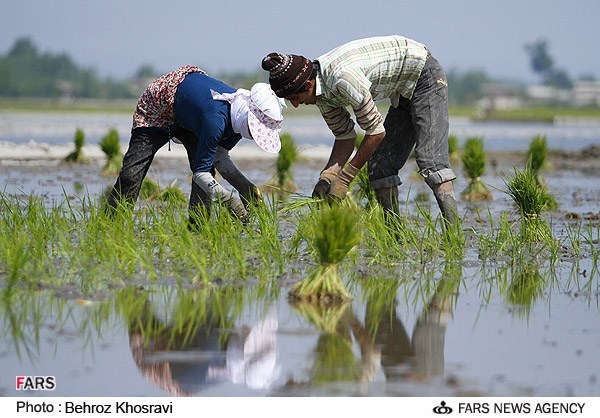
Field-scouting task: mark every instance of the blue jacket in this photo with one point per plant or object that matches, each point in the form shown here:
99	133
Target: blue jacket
208	119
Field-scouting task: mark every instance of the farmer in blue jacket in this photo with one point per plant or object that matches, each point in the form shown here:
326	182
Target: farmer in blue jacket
209	118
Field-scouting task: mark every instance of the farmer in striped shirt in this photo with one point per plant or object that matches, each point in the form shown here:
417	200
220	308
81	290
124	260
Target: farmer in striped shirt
358	74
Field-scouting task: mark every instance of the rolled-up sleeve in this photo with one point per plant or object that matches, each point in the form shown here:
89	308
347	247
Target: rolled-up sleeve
353	88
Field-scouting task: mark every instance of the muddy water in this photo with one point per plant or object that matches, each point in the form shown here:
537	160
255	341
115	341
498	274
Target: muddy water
438	331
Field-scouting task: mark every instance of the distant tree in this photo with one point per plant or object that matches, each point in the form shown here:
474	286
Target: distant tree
465	88
559	78
543	64
582	77
146	71
541	61
25	72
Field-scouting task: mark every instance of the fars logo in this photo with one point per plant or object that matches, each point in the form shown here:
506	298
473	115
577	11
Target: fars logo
36	383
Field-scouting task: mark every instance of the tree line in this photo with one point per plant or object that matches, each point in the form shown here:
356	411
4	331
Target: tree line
27	72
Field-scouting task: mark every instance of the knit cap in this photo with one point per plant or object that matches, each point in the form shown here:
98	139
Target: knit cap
287	72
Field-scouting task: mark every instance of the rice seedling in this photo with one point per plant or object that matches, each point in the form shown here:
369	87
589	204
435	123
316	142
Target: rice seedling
474	161
334	232
527	194
363	188
110	144
537	160
283	182
287	157
172	194
149	188
265	238
77	155
453	149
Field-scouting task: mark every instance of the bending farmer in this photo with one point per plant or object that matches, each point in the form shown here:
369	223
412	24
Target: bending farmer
357	74
209	118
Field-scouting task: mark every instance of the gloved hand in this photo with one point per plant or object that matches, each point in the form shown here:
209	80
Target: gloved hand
237	208
250	195
321	189
327	176
339	186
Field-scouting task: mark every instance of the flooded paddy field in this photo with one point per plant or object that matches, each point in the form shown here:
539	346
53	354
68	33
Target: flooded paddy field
496	319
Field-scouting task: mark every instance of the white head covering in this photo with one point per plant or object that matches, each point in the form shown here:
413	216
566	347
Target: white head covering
256	115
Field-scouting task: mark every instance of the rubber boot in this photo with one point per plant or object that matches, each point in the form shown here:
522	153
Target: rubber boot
444	194
388	199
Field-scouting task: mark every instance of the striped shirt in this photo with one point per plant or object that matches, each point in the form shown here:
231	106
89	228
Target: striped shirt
155	108
360	72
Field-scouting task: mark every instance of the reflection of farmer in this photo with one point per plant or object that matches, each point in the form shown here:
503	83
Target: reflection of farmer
209	118
425	353
356	75
183	361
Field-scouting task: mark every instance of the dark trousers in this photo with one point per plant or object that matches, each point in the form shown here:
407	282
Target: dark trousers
143	146
420	123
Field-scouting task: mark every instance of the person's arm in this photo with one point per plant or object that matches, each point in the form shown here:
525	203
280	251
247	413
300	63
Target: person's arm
342	126
369	118
208	138
225	166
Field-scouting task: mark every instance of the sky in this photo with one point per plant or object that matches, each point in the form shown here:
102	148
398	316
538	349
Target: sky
117	37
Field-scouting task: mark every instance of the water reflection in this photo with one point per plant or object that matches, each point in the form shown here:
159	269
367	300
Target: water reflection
421	355
195	344
379	348
334	358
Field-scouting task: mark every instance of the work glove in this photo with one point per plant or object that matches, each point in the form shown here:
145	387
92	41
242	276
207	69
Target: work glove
250	195
215	192
339	186
237	208
327	176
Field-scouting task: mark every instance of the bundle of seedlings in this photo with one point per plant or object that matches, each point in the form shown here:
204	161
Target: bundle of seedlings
283	182
364	189
474	160
529	197
111	146
149	189
334	232
172	194
537	160
77	155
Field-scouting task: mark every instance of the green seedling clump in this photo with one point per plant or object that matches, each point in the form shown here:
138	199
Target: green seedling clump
172	194
364	189
77	155
334	232
149	189
453	149
474	160
111	146
537	160
288	155
529	197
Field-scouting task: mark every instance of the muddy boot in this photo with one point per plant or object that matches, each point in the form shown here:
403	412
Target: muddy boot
444	194
388	199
